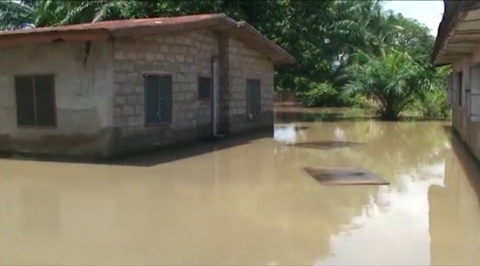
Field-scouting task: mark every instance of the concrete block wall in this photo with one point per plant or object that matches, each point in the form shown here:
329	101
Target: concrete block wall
83	95
246	63
185	57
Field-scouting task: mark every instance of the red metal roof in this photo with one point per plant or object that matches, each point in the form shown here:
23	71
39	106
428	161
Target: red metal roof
150	26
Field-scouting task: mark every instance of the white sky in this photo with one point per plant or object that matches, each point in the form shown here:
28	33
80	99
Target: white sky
427	12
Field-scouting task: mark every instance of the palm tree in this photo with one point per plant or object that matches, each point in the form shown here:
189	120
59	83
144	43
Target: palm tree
393	80
41	13
60	12
15	14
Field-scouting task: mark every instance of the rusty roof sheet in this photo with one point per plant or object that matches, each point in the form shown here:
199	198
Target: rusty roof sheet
149	26
451	15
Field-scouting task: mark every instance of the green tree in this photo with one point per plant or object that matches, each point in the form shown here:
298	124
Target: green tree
393	81
324	36
15	14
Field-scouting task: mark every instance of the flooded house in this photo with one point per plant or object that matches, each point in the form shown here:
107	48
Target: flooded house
458	45
108	88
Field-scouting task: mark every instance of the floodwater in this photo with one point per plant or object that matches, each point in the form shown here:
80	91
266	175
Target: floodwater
248	201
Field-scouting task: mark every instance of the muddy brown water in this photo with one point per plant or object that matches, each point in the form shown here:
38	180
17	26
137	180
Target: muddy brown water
248	201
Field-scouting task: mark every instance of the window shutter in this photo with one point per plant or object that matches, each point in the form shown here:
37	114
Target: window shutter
474	95
449	86
204	88
45	101
466	78
455	87
151	94
166	99
449	82
250	99
258	97
460	88
25	101
254	99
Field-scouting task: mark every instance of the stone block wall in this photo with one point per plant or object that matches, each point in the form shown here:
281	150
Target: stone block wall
185	57
246	63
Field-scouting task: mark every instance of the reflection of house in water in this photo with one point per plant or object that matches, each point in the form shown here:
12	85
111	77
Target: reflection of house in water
454	215
285	133
40	212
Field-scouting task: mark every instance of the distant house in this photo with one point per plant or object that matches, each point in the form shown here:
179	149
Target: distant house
114	87
458	45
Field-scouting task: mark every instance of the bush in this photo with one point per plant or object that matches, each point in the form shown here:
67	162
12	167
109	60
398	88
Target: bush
326	95
434	104
317	94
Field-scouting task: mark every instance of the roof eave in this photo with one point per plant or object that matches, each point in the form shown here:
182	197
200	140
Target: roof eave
216	22
450	16
455	12
281	57
55	36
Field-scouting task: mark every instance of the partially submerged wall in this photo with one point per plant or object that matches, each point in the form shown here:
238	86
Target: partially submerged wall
185	57
246	63
83	93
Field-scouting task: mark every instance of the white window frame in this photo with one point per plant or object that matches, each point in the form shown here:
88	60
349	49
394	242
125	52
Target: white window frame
473	93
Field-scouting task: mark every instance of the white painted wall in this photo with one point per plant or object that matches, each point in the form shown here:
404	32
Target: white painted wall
84	93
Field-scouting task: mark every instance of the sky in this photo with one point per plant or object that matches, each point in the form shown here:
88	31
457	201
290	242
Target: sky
427	12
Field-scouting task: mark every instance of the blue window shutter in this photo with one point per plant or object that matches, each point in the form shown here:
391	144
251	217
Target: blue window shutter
258	97
25	100
166	99
249	97
45	100
204	88
253	97
151	93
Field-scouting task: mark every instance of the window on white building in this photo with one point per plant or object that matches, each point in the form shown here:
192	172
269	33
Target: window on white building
473	93
450	89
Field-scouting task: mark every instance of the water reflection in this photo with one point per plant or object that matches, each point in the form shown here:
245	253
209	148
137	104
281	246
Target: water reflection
452	206
289	133
40	211
241	205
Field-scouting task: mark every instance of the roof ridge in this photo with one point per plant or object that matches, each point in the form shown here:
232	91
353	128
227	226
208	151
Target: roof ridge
113	29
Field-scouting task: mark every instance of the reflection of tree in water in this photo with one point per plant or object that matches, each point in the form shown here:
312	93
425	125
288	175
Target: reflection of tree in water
392	150
453	224
389	149
338	206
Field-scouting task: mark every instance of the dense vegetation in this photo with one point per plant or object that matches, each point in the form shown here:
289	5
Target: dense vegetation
348	52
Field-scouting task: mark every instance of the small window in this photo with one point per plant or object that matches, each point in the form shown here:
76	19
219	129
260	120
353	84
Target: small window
35	100
204	88
158	99
449	82
473	95
460	88
254	100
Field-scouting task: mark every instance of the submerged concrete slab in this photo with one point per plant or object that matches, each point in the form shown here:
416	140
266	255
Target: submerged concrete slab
339	176
326	144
